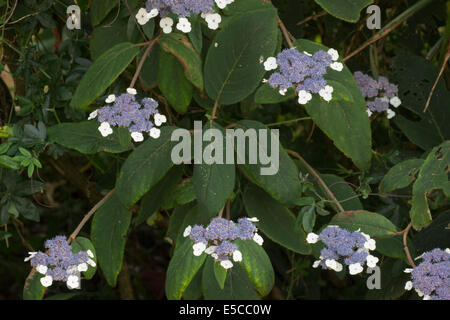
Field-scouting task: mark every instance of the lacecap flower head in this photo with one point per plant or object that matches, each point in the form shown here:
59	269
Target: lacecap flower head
126	111
60	263
343	246
217	238
304	72
431	278
378	94
183	10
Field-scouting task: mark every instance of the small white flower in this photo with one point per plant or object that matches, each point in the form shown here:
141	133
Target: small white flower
155	133
199	248
419	293
73	282
166	24
370	244
270	64
338	267
111	98
215	255
184	25
82	267
365	235
334	54
153	13
216	45
390	114
213	20
254	219
326	93
93	115
369	113
371	261
105	129
282	91
337	66
210	250
237	256
226	264
159	119
395	102
447	250
355	268
312	237
42	269
331	263
408	285
31	256
142	16
308	54
187	231
91	263
90	254
258	239
132	91
316	263
304	97
426	297
47	281
408	270
137	136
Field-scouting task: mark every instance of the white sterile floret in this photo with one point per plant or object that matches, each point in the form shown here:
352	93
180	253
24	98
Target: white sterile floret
42	269
355	268
184	25
258	239
160	119
316	263
82	267
370	244
408	285
111	98
338	267
270	64
326	93
199	248
390	114
337	66
419	293
369	113
312	237
47	281
334	54
155	133
395	102
93	115
91	263
210	250
304	97
223	3
73	282
282	91
105	129
137	136
213	20
371	261
187	231
132	91
254	219
426	297
237	256
166	24
142	16
226	264
332	264
90	254
32	254
408	270
153	13
308	54
447	250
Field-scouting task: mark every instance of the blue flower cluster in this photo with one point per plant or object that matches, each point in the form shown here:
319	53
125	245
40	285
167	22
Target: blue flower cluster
431	278
342	245
130	113
60	263
216	239
303	71
180	8
378	94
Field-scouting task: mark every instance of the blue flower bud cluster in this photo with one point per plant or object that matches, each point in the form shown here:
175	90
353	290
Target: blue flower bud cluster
180	8
351	248
431	278
303	71
217	238
59	263
378	94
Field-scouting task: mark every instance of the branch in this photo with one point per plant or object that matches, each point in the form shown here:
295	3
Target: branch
285	32
447	56
141	62
405	245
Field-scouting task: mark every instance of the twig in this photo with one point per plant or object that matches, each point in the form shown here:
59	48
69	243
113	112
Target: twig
214	112
405	245
228	210
319	179
285	32
141	62
6	238
447	56
288	121
89	215
313	17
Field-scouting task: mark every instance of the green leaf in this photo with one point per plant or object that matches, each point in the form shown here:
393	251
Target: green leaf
182	268
100	9
257	265
173	83
283	186
144	167
33	289
176	221
178	45
102	73
85	137
220	273
401	175
275	221
8	162
185	193
347	10
344	122
373	224
108	233
436	235
104	38
268	95
308	215
343	192
84	244
433	175
232	67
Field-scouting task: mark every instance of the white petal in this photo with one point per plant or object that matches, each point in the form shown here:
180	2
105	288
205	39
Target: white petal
90	254
226	264
111	98
355	268
187	231
155	133
408	285
91	263
82	267
131	91
237	256
42	269
337	66
137	136
334	54
258	239
47	281
312	237
210	250
93	115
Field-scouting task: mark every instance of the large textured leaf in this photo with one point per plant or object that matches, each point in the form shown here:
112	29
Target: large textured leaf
108	234
275	221
104	38
429	129
347	10
145	167
266	94
343	192
433	175
182	268
232	67
102	73
436	235
85	137
285	184
33	289
100	9
345	122
401	175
